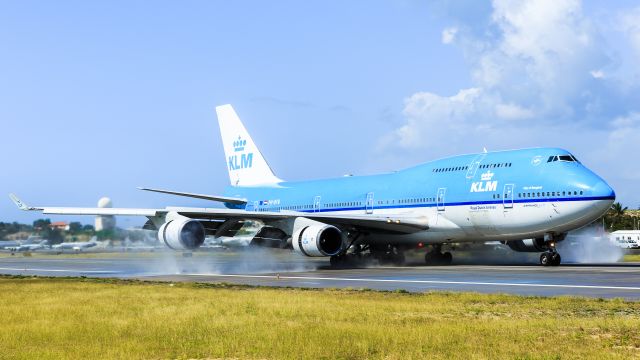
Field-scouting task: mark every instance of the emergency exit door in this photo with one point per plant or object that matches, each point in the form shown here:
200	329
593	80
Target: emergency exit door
440	198
507	196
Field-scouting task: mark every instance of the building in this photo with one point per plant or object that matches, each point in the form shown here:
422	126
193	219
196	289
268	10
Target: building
627	239
105	222
59	225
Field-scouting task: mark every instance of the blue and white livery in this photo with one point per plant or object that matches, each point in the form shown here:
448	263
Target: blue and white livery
528	199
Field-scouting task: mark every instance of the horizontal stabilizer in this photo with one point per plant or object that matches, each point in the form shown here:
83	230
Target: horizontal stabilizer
230	200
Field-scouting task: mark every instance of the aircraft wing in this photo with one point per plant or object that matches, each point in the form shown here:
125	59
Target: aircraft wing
390	223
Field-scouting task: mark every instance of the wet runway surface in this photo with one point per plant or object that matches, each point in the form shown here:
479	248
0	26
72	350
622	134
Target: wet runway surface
597	280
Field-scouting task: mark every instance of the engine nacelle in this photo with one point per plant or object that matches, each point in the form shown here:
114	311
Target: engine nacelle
181	233
528	245
318	239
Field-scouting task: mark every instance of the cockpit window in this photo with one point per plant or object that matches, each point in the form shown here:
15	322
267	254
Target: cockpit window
568	158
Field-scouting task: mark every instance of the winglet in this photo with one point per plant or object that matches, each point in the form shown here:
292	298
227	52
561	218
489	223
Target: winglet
21	205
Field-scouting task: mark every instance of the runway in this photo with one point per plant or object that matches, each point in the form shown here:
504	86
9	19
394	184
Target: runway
288	270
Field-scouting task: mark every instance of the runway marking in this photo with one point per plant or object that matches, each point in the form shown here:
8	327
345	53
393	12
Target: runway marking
62	270
275	277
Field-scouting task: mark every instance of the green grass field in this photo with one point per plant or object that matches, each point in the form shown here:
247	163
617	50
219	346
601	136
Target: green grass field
87	318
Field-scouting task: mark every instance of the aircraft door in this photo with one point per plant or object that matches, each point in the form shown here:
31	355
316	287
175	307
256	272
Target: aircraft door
369	204
316	204
440	198
507	196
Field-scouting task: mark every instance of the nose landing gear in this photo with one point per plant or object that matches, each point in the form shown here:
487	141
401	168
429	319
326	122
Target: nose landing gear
551	256
550	259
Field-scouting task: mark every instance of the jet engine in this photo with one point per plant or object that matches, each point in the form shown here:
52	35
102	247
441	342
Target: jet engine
528	245
181	233
318	239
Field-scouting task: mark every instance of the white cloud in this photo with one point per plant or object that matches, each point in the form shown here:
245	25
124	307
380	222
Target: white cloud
534	61
513	112
449	35
630	22
431	116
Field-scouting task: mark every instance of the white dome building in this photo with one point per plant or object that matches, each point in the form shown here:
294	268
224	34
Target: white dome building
105	222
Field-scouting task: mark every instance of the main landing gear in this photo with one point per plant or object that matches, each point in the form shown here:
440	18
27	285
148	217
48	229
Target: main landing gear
365	254
436	257
551	256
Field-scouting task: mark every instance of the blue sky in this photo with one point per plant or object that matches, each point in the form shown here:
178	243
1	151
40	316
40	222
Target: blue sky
97	98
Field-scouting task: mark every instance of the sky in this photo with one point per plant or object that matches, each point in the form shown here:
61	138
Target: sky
98	98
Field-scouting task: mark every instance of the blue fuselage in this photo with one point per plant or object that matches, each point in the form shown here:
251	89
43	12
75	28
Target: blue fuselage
497	178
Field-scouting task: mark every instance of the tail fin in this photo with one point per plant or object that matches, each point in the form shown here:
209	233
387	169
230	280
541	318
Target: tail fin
245	163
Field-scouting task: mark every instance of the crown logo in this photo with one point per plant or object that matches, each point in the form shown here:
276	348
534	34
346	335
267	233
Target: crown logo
239	144
486	176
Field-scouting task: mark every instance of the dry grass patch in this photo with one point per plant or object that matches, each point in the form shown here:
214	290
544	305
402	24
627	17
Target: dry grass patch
85	318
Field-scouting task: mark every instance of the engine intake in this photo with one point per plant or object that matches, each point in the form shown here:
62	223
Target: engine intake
318	240
182	233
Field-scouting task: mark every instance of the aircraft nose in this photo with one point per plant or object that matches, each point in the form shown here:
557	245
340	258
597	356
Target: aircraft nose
604	191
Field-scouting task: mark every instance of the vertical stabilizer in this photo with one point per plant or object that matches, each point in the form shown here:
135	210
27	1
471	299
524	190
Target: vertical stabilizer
245	163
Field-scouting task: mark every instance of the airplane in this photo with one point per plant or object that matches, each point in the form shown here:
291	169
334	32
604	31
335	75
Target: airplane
76	246
527	199
32	243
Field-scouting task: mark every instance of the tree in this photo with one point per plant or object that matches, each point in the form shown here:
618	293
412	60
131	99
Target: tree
54	236
75	227
41	224
88	228
618	219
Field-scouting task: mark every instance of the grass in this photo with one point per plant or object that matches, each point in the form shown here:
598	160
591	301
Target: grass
631	258
92	318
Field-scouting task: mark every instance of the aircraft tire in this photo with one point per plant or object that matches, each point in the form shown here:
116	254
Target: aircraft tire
556	259
447	258
337	260
545	259
398	259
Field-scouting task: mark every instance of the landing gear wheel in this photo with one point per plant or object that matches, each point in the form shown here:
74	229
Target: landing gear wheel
447	258
398	259
429	258
545	259
555	259
437	258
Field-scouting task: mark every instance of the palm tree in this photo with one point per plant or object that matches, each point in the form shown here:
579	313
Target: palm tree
617	211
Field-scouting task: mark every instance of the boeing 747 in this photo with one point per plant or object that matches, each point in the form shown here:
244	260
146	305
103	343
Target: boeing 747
527	199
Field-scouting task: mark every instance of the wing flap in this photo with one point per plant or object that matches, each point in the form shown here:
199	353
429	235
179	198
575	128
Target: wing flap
100	211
